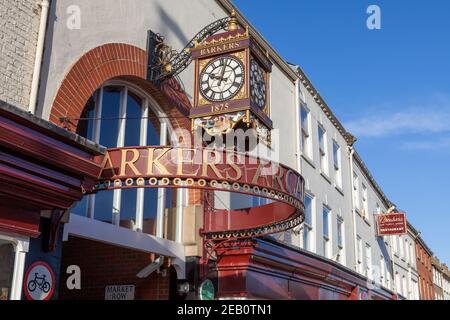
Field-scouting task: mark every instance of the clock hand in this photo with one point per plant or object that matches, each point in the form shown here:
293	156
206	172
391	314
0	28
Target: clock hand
222	73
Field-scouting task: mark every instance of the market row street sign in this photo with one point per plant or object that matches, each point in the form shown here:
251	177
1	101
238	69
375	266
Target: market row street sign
119	292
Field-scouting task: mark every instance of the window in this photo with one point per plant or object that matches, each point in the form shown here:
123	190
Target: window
400	244
394	245
398	286
406	250
388	275
117	116
7	257
356	190
301	95
305	139
365	203
415	288
337	164
378	208
369	261
359	254
405	287
382	271
326	232
307	224
340	240
323	149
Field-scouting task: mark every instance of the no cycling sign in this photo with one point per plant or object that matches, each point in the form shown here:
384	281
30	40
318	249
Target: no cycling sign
39	281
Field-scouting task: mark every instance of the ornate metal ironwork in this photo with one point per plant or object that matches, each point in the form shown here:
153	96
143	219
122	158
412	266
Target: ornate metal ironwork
165	62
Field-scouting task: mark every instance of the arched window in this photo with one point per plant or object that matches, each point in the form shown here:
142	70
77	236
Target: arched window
119	115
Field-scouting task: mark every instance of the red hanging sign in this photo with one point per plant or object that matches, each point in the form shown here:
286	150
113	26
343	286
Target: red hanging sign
391	224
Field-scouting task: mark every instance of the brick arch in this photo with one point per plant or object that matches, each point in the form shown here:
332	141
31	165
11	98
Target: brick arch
114	61
124	62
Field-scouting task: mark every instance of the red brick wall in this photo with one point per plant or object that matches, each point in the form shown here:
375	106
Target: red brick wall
424	269
102	264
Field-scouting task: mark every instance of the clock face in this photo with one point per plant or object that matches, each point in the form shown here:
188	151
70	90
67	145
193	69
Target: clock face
257	84
221	79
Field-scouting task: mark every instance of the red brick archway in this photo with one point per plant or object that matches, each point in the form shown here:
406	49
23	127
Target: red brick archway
114	61
117	61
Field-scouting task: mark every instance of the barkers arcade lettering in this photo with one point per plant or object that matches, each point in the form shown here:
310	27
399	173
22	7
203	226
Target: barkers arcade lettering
210	169
184	163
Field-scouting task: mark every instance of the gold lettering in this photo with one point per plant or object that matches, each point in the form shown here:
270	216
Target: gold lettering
233	165
152	161
107	164
206	163
290	188
181	161
278	178
124	162
258	175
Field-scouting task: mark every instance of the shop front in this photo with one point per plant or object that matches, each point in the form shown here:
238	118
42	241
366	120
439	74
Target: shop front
44	170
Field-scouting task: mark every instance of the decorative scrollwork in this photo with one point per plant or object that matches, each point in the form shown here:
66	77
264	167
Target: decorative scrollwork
171	62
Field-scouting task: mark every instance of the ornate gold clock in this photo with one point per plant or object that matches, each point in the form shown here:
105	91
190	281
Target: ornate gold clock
231	84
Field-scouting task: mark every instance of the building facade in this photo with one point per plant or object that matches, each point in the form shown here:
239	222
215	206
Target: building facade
77	78
446	283
440	279
424	268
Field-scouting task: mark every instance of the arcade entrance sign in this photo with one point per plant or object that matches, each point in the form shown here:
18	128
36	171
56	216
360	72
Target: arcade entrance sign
211	169
391	224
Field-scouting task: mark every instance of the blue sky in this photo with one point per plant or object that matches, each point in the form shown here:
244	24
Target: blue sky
390	87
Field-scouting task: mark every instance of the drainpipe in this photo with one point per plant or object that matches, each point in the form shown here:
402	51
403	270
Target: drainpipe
355	241
38	58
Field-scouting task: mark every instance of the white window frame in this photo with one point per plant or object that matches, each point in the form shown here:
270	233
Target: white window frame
368	258
388	275
340	229
407	251
382	271
395	245
412	255
20	246
309	227
337	164
401	247
398	285
356	190
405	287
327	239
365	202
323	154
359	258
305	133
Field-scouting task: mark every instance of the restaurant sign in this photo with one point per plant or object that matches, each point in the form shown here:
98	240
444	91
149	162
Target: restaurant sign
391	224
211	169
